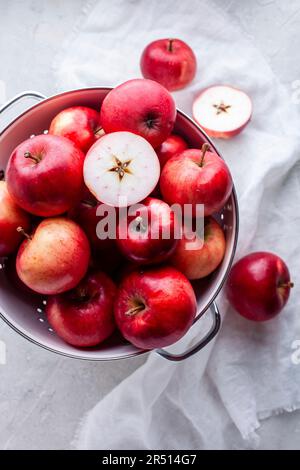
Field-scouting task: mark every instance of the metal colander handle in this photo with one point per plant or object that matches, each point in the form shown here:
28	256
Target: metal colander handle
203	341
19	97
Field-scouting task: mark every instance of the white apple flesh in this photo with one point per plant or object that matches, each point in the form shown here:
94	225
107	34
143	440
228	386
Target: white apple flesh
222	111
121	169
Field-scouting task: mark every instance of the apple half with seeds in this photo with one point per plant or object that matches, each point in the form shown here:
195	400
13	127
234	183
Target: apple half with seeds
121	169
222	111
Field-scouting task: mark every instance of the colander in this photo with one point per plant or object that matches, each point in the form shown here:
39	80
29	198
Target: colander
24	313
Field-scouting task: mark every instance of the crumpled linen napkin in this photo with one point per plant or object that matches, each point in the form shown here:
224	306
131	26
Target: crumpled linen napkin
216	398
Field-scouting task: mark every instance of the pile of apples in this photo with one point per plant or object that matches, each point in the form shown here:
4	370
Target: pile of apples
60	187
88	163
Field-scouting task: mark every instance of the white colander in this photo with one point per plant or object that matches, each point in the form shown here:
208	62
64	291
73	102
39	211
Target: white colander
23	312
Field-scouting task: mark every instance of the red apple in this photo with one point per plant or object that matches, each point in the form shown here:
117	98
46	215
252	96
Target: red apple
45	175
105	251
84	316
155	307
196	177
258	286
149	236
141	106
55	257
11	217
171	147
170	62
198	255
79	124
222	111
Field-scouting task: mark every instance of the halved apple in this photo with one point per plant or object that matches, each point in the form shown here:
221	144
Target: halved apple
222	111
121	169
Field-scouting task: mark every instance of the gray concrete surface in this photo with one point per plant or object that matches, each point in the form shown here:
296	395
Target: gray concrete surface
43	396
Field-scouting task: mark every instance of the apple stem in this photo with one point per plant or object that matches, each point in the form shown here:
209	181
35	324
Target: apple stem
2	174
98	131
29	155
89	203
21	230
135	310
170	45
80	294
287	284
204	149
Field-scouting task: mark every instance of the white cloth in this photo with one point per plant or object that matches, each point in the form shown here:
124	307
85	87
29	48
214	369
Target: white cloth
247	374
